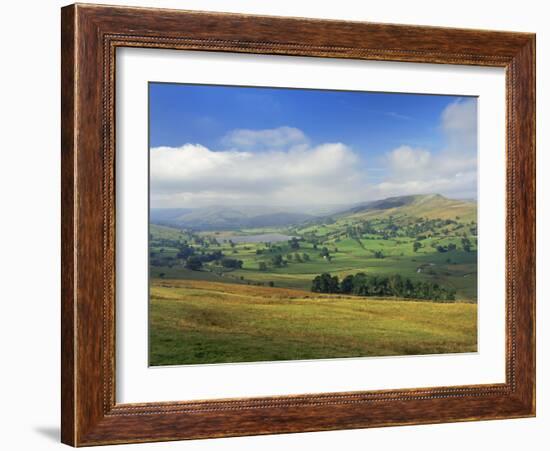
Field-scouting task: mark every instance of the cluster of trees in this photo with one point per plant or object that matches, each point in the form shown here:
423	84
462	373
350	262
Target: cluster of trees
231	263
195	262
278	261
422	227
362	284
192	259
185	251
325	253
270	249
297	257
419	228
441	248
466	244
294	243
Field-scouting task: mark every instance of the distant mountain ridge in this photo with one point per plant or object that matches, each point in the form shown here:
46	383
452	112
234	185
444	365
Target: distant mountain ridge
159	215
226	218
233	218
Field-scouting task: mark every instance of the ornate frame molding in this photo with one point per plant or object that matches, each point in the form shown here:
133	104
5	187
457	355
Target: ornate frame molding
91	35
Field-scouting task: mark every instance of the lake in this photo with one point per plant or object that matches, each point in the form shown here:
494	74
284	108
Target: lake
261	238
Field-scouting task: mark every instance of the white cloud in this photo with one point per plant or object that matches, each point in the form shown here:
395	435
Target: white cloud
417	171
451	171
194	175
406	161
275	138
459	123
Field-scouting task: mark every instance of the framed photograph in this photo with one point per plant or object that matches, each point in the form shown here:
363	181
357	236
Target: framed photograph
278	225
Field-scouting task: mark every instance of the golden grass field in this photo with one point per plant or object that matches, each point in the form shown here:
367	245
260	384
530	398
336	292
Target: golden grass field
198	322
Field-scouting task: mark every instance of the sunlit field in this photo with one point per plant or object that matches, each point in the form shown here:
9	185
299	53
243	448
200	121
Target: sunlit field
197	322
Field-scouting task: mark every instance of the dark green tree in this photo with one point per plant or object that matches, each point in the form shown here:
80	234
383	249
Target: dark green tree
325	283
232	263
346	286
193	263
466	244
378	254
294	243
277	261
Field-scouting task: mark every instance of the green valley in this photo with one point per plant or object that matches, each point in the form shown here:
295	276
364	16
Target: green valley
423	238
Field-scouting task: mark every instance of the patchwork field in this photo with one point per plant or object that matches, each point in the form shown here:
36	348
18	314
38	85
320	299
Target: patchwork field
205	321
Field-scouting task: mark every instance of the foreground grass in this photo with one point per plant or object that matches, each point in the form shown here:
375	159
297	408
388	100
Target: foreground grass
197	322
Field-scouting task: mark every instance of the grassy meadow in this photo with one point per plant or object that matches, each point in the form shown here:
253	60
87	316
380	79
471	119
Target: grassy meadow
196	322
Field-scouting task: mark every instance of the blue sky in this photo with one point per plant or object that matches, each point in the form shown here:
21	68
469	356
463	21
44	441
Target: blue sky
382	144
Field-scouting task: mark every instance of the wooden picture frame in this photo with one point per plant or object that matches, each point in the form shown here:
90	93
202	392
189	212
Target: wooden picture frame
90	36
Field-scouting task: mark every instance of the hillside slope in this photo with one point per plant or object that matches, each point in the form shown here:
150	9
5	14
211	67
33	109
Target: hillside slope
227	218
429	206
199	322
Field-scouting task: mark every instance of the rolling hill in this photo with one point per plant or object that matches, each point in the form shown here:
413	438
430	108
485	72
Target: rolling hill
428	206
227	218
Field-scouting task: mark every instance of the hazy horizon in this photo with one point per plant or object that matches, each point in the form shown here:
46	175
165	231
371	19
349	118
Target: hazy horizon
300	207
